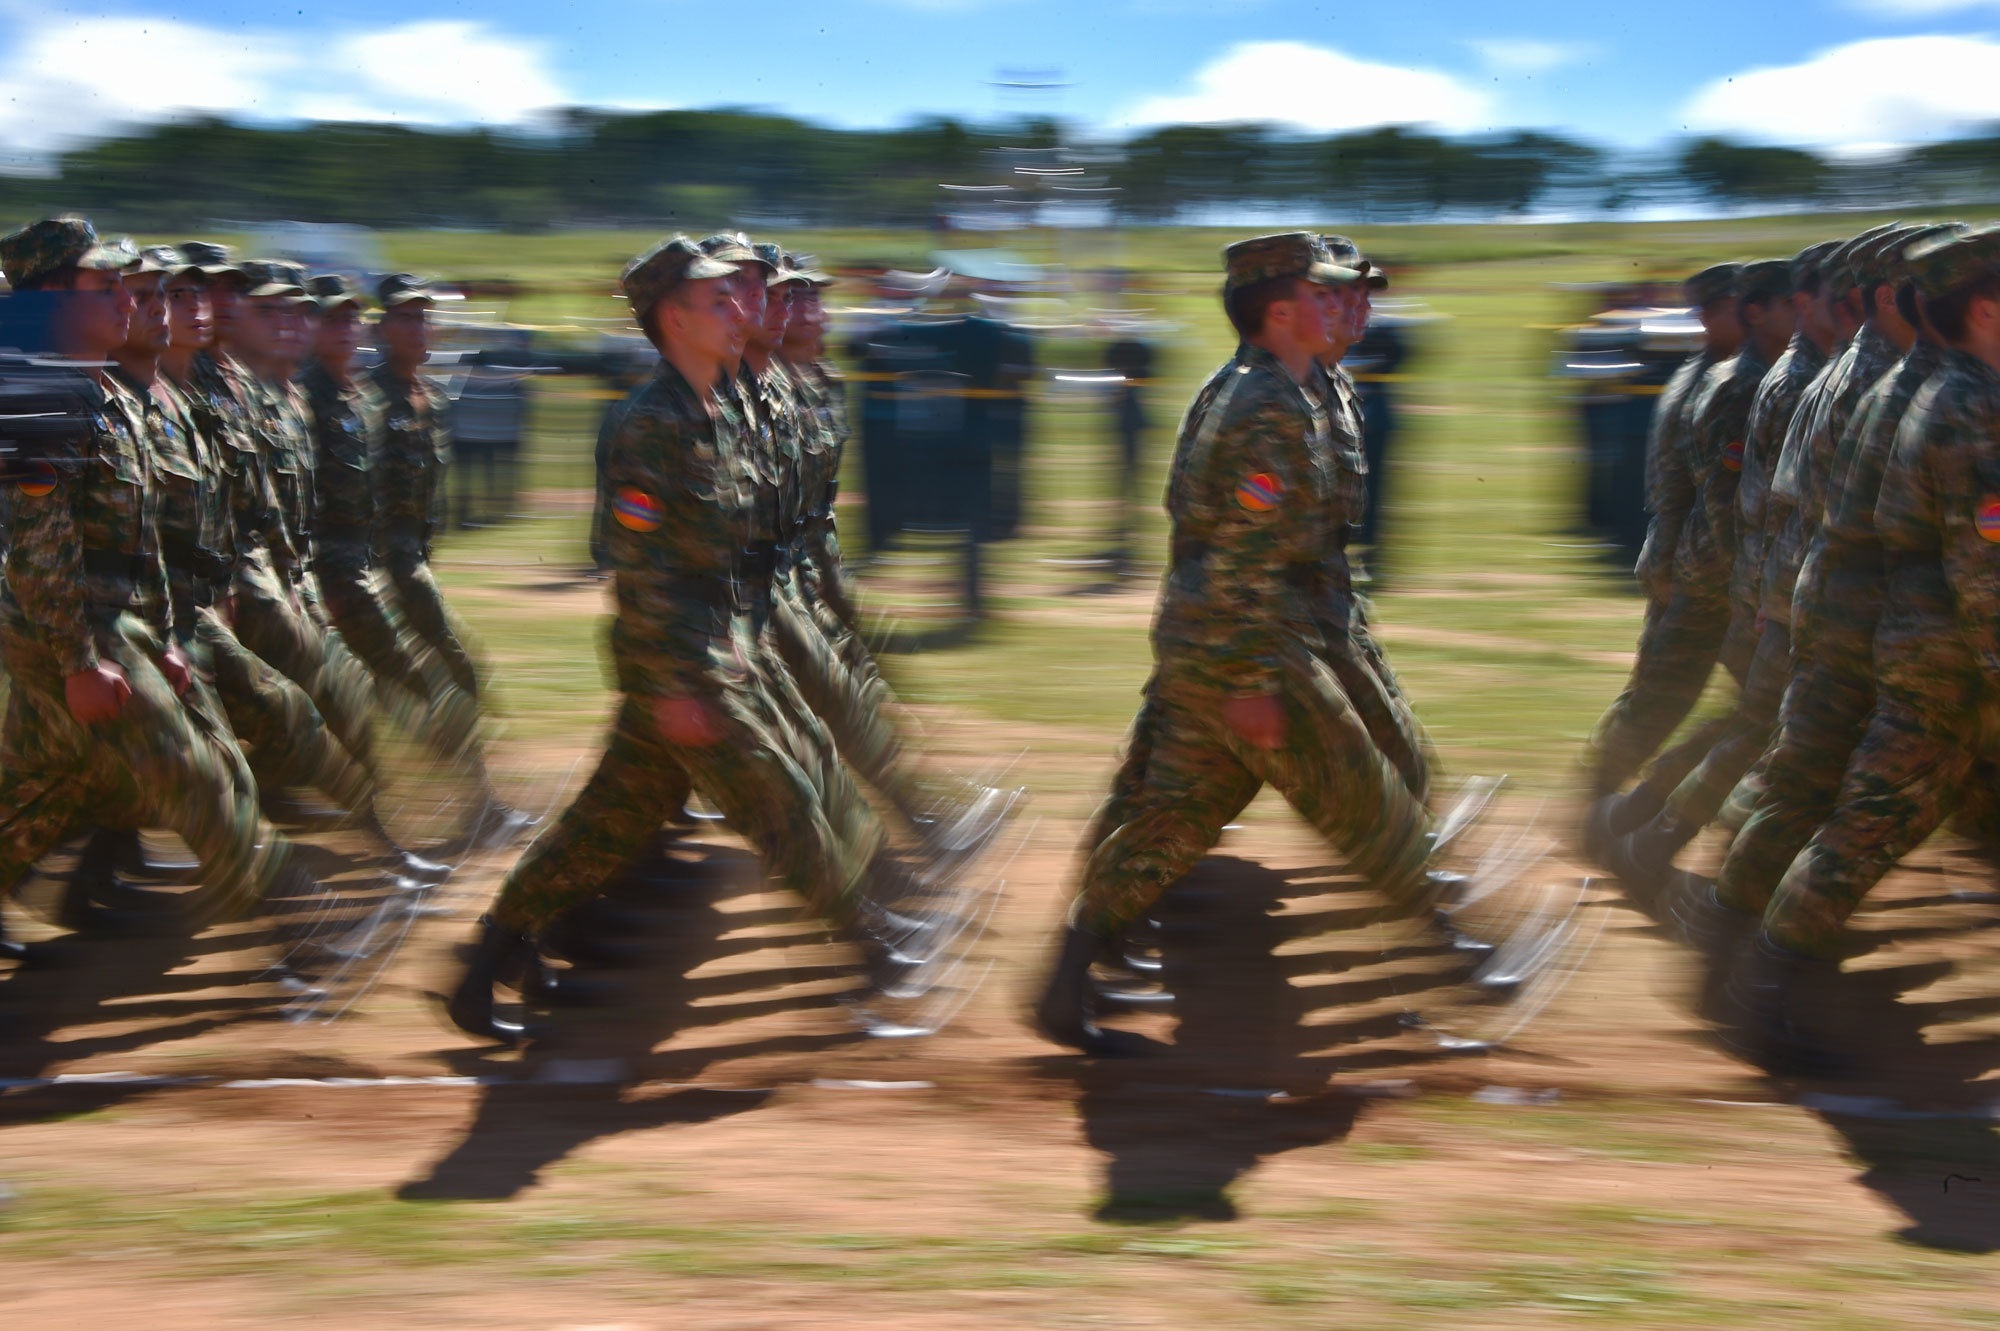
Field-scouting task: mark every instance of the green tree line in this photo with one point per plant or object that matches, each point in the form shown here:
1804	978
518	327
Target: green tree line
596	168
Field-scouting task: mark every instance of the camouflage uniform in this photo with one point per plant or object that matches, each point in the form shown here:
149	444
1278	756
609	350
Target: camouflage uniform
683	492
1936	518
84	585
1745	403
1819	714
1685	624
1253	502
415	686
277	611
410	461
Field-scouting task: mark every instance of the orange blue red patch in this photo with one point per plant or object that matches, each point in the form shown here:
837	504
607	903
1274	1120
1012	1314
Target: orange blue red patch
636	510
36	479
1732	456
1261	492
1987	518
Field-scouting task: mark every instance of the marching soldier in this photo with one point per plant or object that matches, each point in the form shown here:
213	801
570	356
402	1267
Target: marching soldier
1938	519
1240	695
697	699
96	729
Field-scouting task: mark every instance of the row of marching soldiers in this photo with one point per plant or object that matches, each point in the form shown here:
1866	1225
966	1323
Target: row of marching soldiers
1824	488
216	583
743	674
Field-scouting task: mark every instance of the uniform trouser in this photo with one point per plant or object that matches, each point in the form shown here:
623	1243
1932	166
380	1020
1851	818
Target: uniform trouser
1824	715
417	690
1377	695
1742	736
1199	775
271	621
1905	778
161	762
430	621
1678	648
853	708
289	742
762	774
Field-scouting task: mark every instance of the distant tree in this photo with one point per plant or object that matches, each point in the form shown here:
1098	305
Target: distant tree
1745	173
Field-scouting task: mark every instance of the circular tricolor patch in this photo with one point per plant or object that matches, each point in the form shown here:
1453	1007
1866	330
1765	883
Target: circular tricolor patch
36	479
1987	518
1260	493
636	510
1732	456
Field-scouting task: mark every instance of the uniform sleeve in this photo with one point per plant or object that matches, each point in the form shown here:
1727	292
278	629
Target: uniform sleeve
670	534
1967	460
1255	503
1670	490
1906	511
1715	450
402	504
45	564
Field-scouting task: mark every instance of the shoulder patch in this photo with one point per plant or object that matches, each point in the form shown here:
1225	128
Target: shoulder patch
1732	455
1261	492
636	510
38	478
1987	518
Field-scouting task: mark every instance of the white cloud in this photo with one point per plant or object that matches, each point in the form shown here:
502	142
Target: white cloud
1525	55
67	81
1886	90
1314	88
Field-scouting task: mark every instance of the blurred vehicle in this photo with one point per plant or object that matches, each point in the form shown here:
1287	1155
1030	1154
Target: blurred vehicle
1617	362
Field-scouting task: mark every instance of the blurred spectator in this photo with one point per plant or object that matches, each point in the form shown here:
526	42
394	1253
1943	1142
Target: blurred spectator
488	422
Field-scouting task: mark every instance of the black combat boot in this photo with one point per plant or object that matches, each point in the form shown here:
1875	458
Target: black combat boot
499	957
1794	1003
1068	1008
402	863
1644	859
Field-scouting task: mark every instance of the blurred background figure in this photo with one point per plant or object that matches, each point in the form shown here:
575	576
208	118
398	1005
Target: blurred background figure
488	421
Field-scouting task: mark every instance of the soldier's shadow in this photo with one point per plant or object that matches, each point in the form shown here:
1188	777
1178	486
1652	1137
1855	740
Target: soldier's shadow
1919	1112
708	971
1273	999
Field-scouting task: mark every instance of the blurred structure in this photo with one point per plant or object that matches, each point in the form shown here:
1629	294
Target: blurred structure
1616	363
489	419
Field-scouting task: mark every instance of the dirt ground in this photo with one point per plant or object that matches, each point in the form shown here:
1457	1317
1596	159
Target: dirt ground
718	1144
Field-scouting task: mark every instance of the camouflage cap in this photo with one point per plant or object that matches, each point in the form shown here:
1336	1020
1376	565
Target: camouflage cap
808	269
1896	266
157	259
332	290
1285	254
1871	263
773	256
730	247
1838	270
1808	264
1944	263
271	277
399	289
666	266
54	243
1346	254
1713	283
1763	279
212	259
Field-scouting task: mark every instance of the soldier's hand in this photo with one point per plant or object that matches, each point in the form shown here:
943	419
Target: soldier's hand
97	694
174	665
688	722
1259	722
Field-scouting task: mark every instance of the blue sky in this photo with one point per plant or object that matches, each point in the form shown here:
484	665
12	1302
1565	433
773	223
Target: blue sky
1841	74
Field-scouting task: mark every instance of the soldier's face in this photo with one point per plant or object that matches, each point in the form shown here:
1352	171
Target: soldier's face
405	333
705	319
97	314
1359	304
777	313
805	329
190	316
147	331
748	284
276	329
226	300
1318	314
339	334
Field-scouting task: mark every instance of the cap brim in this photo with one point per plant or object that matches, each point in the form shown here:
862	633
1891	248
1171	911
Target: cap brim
1331	275
713	265
276	289
108	259
406	298
335	302
736	254
786	276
